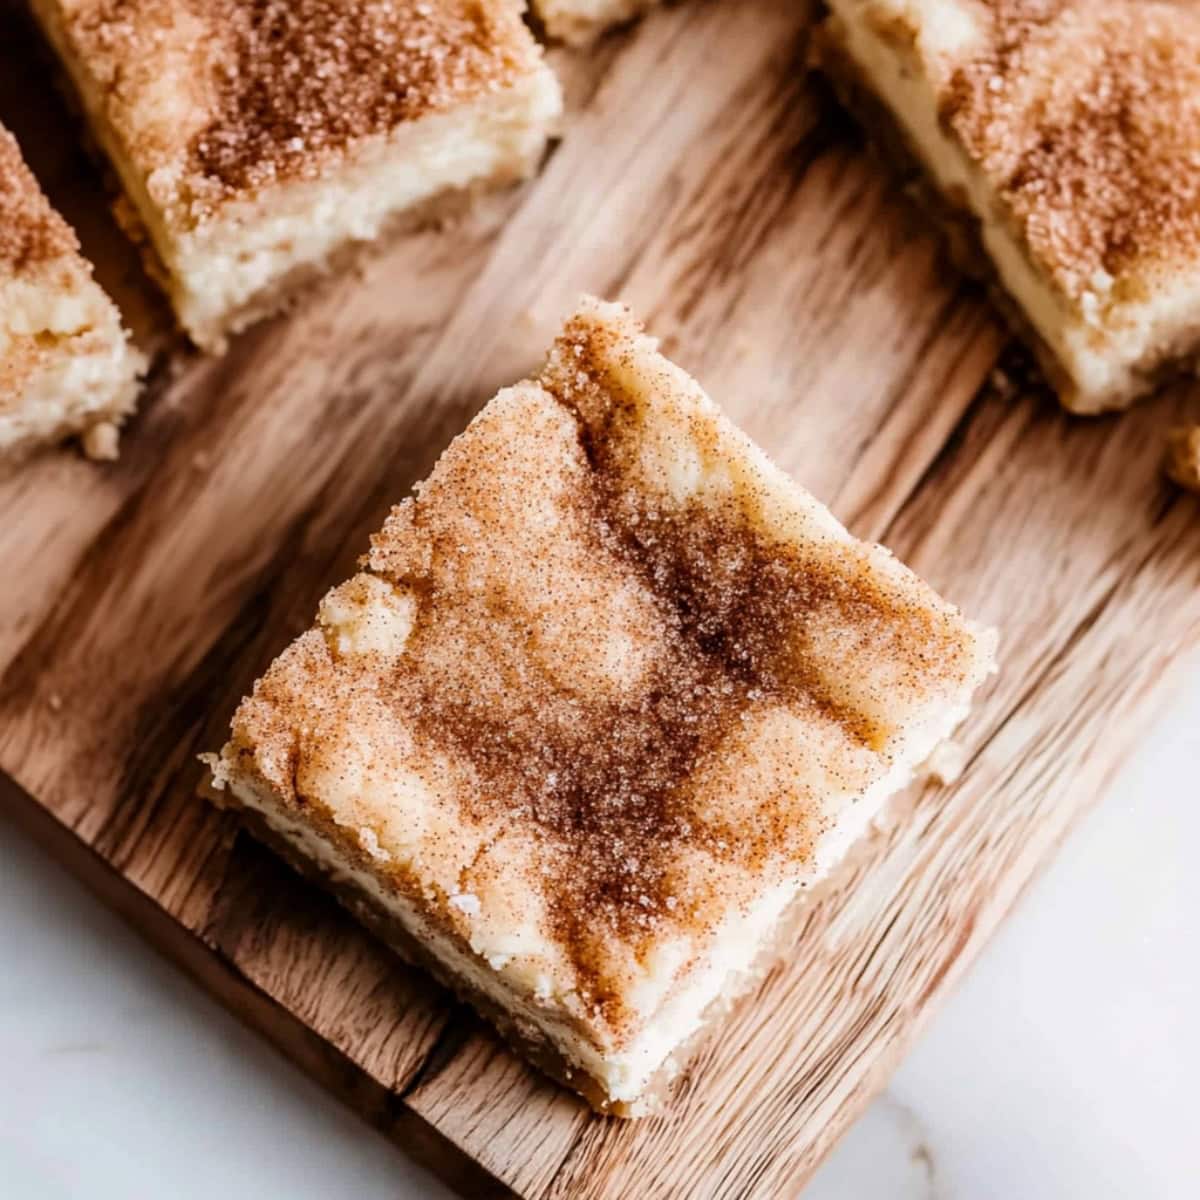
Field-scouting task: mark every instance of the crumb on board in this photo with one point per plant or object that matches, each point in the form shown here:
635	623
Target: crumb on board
946	763
1183	457
102	442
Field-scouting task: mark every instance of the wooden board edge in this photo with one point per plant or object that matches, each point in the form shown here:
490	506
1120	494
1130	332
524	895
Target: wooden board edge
255	1008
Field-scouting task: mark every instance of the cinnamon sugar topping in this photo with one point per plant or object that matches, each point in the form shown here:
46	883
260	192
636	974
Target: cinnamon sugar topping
1086	116
631	696
31	231
307	76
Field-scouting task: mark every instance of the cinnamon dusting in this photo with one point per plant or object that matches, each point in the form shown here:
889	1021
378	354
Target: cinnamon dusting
1086	116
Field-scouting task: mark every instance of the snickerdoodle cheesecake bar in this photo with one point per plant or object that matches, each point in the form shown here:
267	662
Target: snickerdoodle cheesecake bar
579	22
66	364
607	696
1062	138
258	142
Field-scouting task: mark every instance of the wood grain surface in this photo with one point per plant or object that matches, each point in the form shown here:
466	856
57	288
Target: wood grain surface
704	179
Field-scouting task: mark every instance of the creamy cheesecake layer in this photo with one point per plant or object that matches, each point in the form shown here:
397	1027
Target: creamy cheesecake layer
258	143
66	365
579	22
1071	132
606	698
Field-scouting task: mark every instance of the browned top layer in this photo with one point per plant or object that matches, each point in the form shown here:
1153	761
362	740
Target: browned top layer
1086	114
644	703
31	231
274	87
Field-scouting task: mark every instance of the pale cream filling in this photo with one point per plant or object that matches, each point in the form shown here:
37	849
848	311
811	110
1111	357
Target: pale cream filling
1105	346
31	307
88	371
69	393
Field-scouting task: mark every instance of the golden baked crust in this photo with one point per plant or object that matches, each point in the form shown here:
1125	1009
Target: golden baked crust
214	98
608	678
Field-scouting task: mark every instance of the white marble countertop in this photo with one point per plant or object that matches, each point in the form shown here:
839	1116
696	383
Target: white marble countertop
1064	1067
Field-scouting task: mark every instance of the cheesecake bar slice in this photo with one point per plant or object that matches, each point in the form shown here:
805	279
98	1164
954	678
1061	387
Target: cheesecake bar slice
1061	141
608	695
579	22
258	142
66	364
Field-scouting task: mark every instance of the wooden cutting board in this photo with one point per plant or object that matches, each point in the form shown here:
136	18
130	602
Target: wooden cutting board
703	179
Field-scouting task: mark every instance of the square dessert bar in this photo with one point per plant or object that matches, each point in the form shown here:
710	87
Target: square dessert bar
609	693
579	22
66	365
258	141
1062	143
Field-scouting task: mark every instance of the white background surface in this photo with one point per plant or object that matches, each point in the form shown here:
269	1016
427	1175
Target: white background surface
1064	1067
